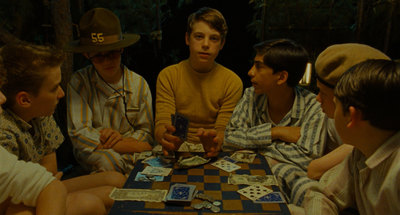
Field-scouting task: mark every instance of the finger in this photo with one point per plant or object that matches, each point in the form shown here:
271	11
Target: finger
167	145
200	132
170	129
58	175
113	139
165	152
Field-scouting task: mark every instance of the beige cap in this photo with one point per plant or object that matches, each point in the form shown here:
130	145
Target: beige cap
337	59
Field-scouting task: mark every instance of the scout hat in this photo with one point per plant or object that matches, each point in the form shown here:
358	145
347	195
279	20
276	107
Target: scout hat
337	59
100	30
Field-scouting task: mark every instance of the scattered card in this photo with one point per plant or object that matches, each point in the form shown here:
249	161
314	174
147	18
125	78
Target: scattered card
148	178
226	165
153	170
157	162
254	192
274	197
181	193
229	159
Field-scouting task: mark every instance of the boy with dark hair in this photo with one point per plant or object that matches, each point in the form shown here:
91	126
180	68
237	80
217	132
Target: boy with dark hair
110	114
366	116
278	118
199	88
29	130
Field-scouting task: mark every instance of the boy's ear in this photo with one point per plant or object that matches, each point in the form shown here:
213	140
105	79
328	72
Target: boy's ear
187	38
283	76
86	55
23	99
355	117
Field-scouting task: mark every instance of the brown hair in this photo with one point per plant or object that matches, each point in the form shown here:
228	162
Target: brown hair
23	65
373	87
212	17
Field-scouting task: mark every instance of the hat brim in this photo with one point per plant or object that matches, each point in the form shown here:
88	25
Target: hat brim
127	40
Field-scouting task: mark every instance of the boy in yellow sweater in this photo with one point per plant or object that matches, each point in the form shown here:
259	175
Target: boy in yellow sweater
198	87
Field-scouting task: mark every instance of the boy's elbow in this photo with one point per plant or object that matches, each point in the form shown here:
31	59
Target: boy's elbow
312	171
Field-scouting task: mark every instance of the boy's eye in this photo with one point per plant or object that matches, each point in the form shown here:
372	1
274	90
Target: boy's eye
198	36
215	38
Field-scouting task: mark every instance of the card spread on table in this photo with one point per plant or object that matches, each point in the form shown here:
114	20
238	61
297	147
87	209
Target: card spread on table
181	124
274	197
148	178
181	193
153	170
254	192
157	162
226	165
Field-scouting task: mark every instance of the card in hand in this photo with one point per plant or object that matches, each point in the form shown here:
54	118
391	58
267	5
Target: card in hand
181	124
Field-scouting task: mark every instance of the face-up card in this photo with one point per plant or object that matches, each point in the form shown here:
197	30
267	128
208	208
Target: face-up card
157	162
274	197
226	165
229	159
152	170
254	192
148	178
181	124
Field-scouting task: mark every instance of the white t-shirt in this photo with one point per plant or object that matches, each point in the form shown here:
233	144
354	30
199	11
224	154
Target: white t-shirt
20	180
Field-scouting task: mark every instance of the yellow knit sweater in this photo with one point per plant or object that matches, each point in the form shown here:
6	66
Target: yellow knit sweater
206	99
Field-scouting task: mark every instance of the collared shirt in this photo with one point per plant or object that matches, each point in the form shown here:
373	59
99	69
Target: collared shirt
250	128
372	185
93	105
16	137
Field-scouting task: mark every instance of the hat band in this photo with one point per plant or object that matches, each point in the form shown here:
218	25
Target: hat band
325	82
99	39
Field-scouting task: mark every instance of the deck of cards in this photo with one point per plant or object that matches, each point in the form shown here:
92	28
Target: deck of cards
181	194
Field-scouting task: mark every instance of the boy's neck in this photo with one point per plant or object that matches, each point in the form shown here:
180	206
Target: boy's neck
370	139
24	114
280	103
201	67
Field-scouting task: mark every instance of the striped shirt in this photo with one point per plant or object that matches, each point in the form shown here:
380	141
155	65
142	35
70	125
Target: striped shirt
93	106
372	185
250	128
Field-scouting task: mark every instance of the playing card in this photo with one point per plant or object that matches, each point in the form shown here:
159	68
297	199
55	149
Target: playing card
226	165
274	197
181	193
229	159
148	178
181	124
254	192
153	170
157	162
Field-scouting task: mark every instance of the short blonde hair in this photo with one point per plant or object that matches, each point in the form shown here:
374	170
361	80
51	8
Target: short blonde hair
212	17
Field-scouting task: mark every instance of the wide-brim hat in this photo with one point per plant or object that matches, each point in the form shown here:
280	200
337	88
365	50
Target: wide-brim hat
99	31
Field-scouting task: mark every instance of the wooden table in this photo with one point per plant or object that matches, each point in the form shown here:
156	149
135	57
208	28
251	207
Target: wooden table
209	180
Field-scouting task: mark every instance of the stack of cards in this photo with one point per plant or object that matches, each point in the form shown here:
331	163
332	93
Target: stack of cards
181	124
226	165
181	194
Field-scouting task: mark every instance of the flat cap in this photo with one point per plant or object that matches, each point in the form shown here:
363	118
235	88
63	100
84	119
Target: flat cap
337	59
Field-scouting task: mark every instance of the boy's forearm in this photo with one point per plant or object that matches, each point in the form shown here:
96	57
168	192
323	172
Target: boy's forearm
131	145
